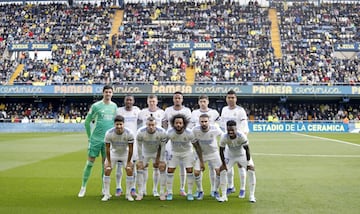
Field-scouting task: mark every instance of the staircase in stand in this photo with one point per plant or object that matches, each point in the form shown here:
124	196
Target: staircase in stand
190	75
275	33
16	73
118	19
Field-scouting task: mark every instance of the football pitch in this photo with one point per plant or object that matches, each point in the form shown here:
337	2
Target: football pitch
296	173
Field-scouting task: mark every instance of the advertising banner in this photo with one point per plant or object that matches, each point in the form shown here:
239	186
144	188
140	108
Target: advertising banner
298	127
168	89
30	47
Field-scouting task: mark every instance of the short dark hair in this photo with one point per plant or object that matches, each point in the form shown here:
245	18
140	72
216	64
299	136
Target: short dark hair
231	123
181	116
119	118
151	96
178	92
107	87
151	118
231	92
128	95
203	97
204	115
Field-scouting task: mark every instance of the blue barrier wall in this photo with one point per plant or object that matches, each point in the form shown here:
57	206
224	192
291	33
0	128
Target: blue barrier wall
299	127
253	126
41	127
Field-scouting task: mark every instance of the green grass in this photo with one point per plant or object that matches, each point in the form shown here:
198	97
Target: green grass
41	173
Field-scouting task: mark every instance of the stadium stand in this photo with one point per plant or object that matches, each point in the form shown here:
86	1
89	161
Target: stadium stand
245	48
251	44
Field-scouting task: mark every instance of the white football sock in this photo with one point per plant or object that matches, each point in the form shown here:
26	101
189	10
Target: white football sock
140	181
252	182
190	182
156	175
242	175
230	178
223	182
129	184
118	174
169	182
198	182
106	181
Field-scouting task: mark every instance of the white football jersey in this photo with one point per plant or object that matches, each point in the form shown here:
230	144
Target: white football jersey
212	113
119	142
181	143
159	116
208	140
131	117
237	114
170	112
148	144
235	146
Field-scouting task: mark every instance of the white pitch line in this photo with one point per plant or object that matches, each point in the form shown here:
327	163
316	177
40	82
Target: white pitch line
328	139
304	155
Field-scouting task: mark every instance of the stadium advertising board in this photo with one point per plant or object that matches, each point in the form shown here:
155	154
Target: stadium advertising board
168	89
298	127
353	47
178	46
301	90
51	125
30	47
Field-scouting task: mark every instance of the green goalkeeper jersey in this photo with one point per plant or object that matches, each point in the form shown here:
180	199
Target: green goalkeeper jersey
103	117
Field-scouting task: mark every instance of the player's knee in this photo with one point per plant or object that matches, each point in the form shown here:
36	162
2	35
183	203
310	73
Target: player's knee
162	166
189	170
171	170
107	171
155	165
89	163
251	167
217	171
139	166
129	171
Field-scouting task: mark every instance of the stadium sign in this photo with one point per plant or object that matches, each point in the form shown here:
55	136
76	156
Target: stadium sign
298	127
300	90
168	89
355	90
352	47
30	47
180	46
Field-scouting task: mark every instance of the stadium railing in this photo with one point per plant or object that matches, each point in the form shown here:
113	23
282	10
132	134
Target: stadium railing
255	127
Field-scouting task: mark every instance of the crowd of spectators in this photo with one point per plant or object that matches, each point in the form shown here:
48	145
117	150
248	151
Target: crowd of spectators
78	36
74	110
139	52
308	35
239	33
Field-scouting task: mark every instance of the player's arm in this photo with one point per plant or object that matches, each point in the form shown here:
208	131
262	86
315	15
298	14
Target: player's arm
248	156
139	121
130	153
161	149
157	158
199	153
165	123
139	145
244	126
88	120
222	158
140	142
